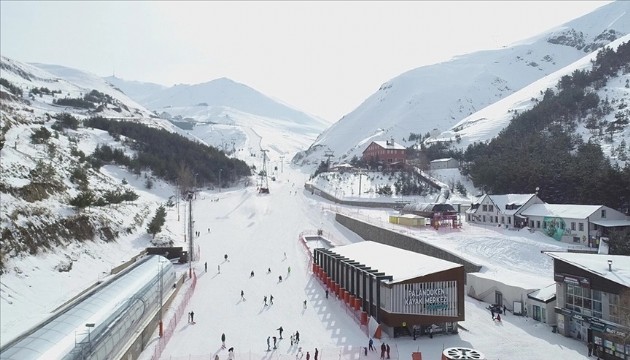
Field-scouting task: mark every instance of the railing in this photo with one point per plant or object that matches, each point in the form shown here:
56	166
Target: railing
172	324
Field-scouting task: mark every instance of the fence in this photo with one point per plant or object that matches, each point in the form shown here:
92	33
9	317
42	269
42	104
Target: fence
169	329
355	352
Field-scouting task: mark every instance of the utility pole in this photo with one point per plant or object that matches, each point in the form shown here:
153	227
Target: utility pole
281	163
190	233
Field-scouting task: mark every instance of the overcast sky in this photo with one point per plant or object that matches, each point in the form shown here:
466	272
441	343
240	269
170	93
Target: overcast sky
321	57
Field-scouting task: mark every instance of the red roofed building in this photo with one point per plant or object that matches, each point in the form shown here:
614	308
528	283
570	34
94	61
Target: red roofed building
385	152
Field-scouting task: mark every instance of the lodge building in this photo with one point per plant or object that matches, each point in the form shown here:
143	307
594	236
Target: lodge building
404	291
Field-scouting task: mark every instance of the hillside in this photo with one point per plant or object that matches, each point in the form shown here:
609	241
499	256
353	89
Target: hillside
431	99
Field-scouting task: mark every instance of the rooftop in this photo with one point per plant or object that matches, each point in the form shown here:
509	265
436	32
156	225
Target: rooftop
400	264
569	211
598	265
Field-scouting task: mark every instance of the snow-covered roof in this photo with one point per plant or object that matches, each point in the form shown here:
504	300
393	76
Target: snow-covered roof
517	199
441	160
411	216
545	294
611	223
570	211
400	264
389	145
598	265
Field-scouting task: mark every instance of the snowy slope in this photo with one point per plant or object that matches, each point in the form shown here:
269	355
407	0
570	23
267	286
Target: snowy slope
433	98
486	124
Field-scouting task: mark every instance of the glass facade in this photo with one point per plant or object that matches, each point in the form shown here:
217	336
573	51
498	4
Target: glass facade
584	301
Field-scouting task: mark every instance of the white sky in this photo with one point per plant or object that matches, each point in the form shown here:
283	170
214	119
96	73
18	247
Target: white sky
324	57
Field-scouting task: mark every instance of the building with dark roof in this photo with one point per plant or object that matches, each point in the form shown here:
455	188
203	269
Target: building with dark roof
403	291
593	300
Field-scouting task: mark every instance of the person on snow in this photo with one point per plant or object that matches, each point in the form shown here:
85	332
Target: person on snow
223	341
268	343
271	301
242	295
305	304
308	355
498	317
297	337
326	293
371	344
265	300
231	353
292	338
268	270
316	353
251	275
280	278
299	354
192	317
387	350
289	272
225	257
219	269
280	329
216	357
383	349
275	339
205	266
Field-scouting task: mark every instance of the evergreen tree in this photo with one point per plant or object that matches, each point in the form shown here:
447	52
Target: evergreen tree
155	226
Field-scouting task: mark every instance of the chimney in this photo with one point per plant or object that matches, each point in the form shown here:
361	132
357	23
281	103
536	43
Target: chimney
609	265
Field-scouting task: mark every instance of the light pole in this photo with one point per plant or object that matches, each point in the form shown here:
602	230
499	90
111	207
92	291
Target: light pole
190	234
220	171
161	324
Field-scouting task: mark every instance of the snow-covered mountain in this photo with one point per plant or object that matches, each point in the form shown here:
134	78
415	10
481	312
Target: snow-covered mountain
486	123
229	115
433	98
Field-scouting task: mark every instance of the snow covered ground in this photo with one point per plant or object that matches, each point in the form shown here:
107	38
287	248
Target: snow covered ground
255	231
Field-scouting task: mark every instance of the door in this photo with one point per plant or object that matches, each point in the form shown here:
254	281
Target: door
498	298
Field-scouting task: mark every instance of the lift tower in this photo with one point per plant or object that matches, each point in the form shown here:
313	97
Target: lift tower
264	182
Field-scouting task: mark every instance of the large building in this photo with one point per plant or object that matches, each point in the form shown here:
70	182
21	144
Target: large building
402	290
501	210
593	300
577	224
386	153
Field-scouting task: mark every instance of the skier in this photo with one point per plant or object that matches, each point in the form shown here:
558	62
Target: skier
299	354
371	344
189	317
271	301
225	257
387	350
297	338
292	338
231	353
216	357
326	293
268	346
308	356
192	317
285	254
265	300
205	265
280	330
219	269
383	349
268	270
223	341
499	317
242	295
280	278
289	272
492	312
305	304
316	353
251	275
275	339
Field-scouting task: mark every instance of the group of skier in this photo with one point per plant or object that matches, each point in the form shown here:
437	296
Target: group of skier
384	349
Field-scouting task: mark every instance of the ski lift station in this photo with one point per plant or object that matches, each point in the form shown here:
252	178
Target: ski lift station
404	292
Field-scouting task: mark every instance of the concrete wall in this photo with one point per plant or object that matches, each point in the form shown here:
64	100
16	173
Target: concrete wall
376	204
388	237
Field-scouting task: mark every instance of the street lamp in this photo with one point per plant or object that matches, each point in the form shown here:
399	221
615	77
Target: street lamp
160	267
220	171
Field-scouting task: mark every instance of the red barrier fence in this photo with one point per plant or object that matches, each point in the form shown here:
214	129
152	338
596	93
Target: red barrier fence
172	324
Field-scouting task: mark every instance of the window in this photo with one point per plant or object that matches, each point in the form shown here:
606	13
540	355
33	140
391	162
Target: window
509	220
531	225
496	219
538	224
490	208
502	219
484	218
576	239
581	226
484	207
603	214
573	225
544	224
491	219
584	301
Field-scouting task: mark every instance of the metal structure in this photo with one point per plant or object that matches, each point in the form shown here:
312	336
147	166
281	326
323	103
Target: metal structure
263	187
190	195
100	323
